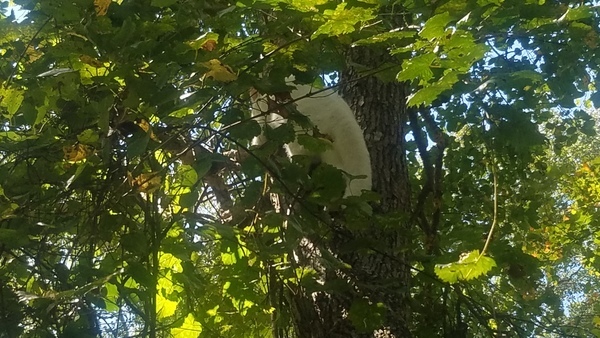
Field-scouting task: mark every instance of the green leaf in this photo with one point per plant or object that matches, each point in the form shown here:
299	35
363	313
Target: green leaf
313	144
431	92
135	243
343	21
78	173
328	183
11	99
111	297
385	37
470	266
183	112
228	258
418	67
137	144
140	274
203	163
245	131
12	238
88	136
435	27
186	176
578	13
163	3
282	134
188	200
366	316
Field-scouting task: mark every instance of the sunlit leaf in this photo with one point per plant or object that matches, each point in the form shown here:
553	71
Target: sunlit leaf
111	297
168	261
186	176
470	266
343	21
11	99
435	27
219	71
189	329
165	307
417	68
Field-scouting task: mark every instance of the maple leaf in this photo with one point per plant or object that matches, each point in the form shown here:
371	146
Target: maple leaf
219	71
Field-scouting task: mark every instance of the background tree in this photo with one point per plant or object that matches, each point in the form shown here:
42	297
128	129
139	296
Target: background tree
131	203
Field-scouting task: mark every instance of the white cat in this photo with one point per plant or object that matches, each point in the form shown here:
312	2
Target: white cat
333	118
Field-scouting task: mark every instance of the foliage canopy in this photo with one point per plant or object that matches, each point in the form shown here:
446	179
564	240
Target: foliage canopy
124	210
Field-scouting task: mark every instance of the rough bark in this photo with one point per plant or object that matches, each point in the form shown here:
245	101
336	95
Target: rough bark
380	109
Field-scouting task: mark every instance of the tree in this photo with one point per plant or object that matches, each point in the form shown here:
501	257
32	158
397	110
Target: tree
132	203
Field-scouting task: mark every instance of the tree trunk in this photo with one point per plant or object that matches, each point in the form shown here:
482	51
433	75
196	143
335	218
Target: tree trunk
380	109
380	274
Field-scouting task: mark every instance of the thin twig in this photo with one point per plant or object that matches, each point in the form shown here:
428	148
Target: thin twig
12	75
495	220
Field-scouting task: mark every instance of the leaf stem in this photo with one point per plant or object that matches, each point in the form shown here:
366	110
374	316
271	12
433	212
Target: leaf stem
495	220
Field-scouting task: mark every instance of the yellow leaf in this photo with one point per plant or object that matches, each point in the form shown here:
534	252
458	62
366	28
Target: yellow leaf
189	329
143	123
76	152
88	60
213	312
33	53
146	182
219	71
165	307
168	261
101	6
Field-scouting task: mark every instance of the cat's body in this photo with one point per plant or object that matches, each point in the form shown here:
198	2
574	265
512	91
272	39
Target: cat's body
333	118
